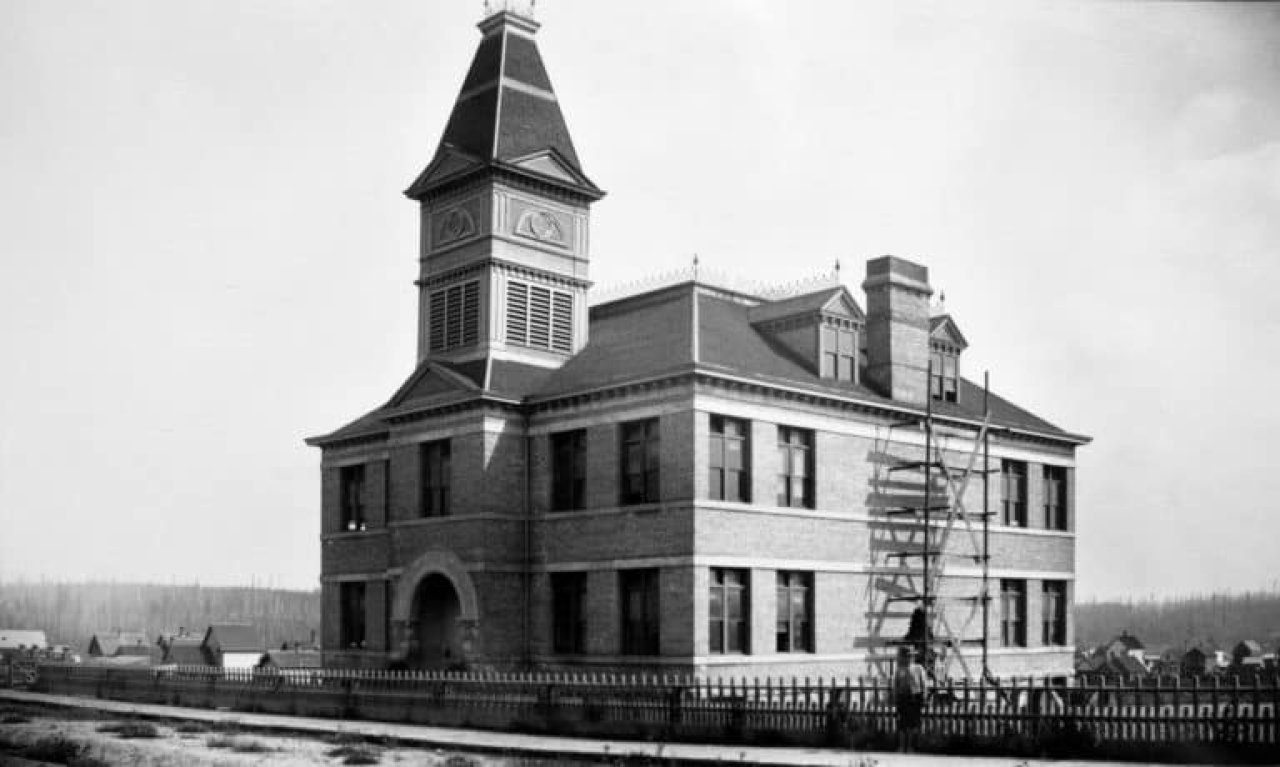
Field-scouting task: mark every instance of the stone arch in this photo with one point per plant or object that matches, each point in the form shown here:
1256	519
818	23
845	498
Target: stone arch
450	567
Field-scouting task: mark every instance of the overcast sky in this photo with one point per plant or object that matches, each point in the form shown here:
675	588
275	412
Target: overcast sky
205	255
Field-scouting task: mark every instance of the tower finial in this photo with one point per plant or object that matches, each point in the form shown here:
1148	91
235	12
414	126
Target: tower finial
695	267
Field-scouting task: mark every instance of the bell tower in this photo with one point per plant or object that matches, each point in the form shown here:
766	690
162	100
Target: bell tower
504	212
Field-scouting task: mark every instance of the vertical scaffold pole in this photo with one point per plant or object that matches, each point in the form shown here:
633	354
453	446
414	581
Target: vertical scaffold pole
927	639
986	518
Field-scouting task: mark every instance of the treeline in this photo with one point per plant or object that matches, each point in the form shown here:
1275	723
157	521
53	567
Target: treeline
1220	620
70	613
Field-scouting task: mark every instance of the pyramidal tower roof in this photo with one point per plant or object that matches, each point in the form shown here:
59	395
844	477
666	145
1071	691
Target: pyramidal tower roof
506	115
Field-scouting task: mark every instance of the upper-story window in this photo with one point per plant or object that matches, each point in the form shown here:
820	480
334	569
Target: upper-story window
455	316
435	459
945	384
729	448
641	460
539	317
1055	498
1013	476
569	470
352	497
839	353
1013	613
795	477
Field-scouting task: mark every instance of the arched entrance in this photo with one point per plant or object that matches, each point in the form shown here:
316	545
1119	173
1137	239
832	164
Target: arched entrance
437	635
434	615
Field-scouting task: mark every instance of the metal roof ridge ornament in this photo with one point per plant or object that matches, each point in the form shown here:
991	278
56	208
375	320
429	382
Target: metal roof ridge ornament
714	278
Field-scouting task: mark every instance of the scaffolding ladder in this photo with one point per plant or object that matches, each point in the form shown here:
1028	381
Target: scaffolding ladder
921	542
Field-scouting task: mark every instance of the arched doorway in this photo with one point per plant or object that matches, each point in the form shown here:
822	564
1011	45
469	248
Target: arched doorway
437	633
434	614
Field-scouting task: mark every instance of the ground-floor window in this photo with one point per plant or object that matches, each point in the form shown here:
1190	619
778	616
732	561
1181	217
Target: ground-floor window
1053	616
729	611
640	606
351	596
1013	613
568	612
795	612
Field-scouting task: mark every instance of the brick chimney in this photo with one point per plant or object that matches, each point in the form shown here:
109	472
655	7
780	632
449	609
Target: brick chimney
898	328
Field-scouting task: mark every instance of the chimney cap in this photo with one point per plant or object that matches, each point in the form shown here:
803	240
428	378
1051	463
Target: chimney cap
896	271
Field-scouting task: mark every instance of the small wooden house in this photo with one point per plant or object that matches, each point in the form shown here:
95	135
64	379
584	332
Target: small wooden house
233	645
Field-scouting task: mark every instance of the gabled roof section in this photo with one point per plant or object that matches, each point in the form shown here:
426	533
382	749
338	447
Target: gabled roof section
835	300
943	328
506	115
233	637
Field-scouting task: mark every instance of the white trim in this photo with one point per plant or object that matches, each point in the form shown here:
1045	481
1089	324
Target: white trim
353	577
808	565
529	90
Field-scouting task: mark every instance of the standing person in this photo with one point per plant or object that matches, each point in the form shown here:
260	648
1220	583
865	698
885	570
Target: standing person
909	687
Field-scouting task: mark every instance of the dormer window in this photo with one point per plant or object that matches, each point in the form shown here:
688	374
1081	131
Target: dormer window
946	377
839	352
945	385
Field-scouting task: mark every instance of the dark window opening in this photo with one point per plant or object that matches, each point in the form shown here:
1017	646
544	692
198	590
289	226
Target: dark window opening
352	613
795	612
641	458
730	459
1055	498
795	482
1054	613
1013	477
945	382
1013	613
568	613
569	470
639	592
435	460
729	611
352	482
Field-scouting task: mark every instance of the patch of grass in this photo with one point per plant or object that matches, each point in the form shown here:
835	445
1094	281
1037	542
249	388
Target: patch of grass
13	717
251	747
55	748
220	741
458	760
130	729
191	728
355	754
346	738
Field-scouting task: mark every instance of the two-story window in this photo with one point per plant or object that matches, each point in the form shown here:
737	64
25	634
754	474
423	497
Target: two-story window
945	381
539	317
1013	612
729	458
351	484
641	458
839	353
351	612
1053	613
1055	498
1013	478
434	471
640	611
729	612
795	465
569	613
569	470
795	612
454	316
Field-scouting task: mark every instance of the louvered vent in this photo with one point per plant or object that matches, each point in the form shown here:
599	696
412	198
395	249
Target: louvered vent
539	317
455	316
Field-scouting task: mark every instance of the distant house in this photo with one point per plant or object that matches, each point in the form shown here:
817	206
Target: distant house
1125	644
233	645
109	644
186	650
1247	653
1198	661
21	640
290	659
1122	666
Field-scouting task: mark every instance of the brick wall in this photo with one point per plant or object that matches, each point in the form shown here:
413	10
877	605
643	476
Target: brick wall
603	613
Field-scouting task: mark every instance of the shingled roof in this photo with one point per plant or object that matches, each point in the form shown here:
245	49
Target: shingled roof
506	115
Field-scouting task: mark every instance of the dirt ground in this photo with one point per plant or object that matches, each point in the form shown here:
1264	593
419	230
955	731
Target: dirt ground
23	728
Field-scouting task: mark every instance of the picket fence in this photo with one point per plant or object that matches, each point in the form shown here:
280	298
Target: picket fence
806	710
